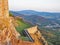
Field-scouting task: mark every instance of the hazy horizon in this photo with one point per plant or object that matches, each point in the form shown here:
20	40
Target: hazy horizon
37	5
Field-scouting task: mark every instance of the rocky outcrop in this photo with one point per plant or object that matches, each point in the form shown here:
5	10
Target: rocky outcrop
9	35
36	36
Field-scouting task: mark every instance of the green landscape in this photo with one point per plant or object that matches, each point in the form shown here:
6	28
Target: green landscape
21	26
52	36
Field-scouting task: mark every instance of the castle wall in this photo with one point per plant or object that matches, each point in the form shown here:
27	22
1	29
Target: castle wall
4	8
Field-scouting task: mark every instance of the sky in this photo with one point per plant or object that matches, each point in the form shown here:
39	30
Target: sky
37	5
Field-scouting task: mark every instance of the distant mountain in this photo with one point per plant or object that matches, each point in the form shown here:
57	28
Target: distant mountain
35	17
39	20
17	14
44	14
26	12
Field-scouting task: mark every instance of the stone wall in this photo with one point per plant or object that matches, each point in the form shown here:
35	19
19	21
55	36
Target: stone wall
36	36
4	11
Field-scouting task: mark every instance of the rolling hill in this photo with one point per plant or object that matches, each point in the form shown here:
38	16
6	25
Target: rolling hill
48	23
44	14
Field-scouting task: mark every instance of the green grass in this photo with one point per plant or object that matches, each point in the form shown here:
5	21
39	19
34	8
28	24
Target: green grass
25	38
22	25
10	14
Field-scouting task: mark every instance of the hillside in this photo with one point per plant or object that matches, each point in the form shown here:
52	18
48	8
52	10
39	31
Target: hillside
50	27
27	31
20	25
52	19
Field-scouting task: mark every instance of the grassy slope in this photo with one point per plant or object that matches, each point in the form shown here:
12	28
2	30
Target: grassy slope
22	25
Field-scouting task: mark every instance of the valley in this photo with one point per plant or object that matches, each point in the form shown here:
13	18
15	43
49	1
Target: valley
48	24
